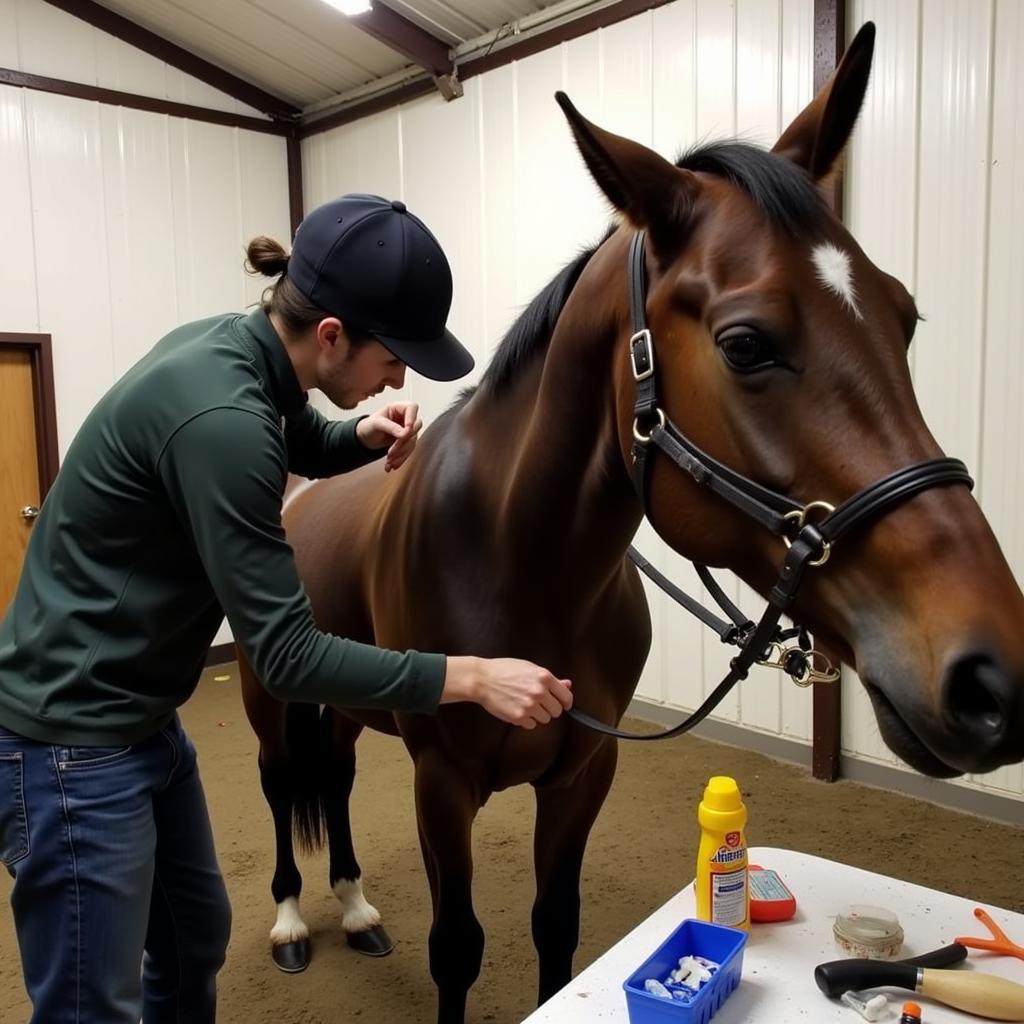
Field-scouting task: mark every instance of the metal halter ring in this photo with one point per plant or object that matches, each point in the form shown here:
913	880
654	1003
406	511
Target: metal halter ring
799	516
816	666
646	438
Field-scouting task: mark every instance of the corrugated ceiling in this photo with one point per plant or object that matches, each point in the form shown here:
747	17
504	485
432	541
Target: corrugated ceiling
304	51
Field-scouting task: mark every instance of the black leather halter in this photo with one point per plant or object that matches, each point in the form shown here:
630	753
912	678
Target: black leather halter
809	543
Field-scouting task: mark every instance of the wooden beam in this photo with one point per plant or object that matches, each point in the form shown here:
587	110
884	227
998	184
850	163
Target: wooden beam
115	97
155	45
829	44
406	37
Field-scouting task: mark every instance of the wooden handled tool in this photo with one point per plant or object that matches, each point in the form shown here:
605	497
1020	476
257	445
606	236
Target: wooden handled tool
986	995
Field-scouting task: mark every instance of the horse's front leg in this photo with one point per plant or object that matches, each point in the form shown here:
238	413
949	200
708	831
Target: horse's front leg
565	815
446	804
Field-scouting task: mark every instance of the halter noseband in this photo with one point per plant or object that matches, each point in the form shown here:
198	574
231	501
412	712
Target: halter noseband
810	543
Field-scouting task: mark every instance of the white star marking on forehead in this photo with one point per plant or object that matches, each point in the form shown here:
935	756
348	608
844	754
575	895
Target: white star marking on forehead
835	273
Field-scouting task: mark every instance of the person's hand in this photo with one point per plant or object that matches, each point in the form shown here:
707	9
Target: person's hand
518	692
396	425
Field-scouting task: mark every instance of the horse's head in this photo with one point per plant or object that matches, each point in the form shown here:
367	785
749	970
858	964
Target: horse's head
781	350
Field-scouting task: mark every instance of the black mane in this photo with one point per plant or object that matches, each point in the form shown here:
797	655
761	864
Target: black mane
778	187
532	330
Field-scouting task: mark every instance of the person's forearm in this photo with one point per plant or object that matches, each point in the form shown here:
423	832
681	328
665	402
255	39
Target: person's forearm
318	448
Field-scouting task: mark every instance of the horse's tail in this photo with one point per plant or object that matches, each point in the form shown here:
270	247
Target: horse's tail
306	764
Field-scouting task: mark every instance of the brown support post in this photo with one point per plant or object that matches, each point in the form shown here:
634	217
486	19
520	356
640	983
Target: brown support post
829	43
295	201
827	725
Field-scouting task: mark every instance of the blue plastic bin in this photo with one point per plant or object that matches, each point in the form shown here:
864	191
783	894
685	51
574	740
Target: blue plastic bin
692	938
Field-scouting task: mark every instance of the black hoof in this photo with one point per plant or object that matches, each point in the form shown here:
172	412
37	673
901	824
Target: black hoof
291	957
373	942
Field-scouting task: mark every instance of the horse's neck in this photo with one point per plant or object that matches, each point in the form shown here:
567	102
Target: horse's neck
560	486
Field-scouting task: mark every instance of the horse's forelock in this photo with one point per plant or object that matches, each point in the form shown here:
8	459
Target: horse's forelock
778	187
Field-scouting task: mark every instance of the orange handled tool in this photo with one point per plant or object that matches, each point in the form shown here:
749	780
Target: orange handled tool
999	943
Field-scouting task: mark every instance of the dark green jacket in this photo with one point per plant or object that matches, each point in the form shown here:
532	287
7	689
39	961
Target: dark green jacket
165	517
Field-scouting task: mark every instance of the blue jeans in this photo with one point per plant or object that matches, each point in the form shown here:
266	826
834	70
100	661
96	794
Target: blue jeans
114	870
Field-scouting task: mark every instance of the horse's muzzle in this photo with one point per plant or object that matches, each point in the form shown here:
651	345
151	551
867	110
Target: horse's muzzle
983	709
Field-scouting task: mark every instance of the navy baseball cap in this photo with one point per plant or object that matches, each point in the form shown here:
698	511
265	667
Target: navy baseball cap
376	267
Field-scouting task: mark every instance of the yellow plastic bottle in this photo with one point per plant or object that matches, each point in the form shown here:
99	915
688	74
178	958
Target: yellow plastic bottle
723	884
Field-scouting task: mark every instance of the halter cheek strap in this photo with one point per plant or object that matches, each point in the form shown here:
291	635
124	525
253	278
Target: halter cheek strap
810	543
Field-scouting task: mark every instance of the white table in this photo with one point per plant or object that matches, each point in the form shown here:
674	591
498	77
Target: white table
779	959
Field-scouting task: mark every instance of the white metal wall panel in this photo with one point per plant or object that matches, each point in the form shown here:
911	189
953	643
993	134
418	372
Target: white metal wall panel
933	196
39	39
124	222
140	225
19	297
496	106
72	270
1002	424
955	99
431	195
673	60
881	209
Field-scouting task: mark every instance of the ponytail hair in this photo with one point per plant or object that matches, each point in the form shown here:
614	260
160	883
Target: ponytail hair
266	256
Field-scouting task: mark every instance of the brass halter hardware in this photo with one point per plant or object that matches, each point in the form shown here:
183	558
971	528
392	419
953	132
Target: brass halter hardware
799	516
816	666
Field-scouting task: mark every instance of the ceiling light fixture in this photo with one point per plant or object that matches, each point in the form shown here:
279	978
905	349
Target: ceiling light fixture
349	7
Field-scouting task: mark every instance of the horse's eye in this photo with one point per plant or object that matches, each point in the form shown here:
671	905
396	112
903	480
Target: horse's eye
745	350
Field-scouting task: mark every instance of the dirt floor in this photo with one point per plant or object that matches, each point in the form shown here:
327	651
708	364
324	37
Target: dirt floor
641	852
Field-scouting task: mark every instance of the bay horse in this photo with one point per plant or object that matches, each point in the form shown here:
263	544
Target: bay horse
782	352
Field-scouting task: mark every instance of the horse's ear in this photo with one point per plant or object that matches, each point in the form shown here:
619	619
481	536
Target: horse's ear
819	134
650	191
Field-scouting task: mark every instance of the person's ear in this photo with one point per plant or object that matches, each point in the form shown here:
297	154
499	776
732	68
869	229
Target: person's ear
328	333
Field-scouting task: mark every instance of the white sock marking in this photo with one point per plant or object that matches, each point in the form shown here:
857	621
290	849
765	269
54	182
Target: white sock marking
289	926
836	274
356	914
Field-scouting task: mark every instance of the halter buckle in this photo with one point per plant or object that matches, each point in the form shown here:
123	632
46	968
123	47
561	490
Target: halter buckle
641	355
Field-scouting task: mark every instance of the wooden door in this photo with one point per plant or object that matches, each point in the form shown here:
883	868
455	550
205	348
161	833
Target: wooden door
27	447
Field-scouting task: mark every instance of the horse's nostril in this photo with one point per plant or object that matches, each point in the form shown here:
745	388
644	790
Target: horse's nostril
974	685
